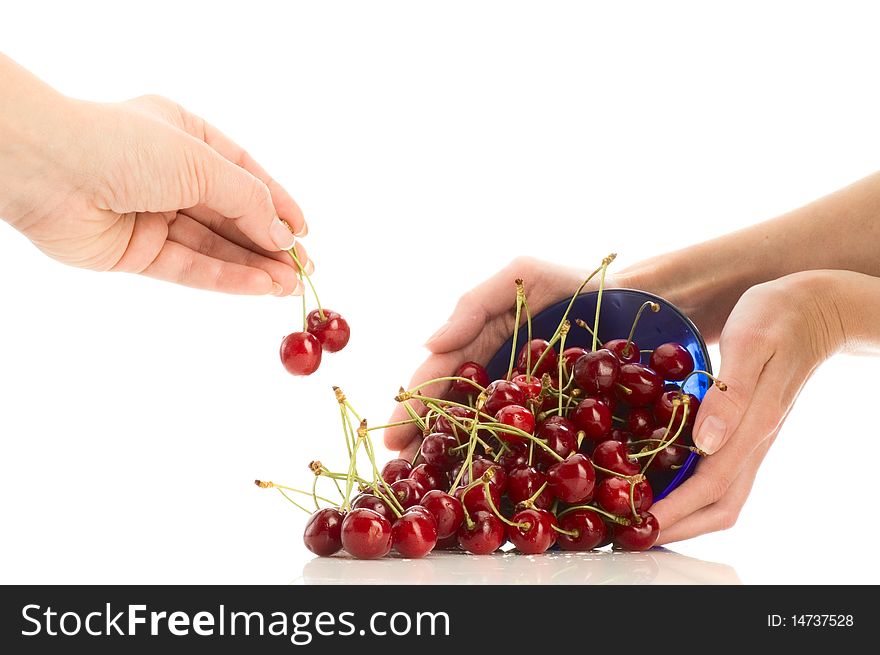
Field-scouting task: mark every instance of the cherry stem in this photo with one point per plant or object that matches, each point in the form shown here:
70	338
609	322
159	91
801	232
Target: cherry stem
528	331
624	389
305	310
638	477
632	499
664	444
504	519
603	269
605	263
281	491
448	378
472	443
391	425
534	497
608	515
560	360
574	534
272	485
654	308
363	435
303	274
718	383
520	293
548	349
583	324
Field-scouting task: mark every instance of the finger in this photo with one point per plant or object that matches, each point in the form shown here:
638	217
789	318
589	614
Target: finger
742	360
190	233
410	451
181	265
544	284
284	204
715	473
229	230
236	194
399	437
723	514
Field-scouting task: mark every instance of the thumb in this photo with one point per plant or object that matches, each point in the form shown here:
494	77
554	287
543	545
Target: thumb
721	412
235	193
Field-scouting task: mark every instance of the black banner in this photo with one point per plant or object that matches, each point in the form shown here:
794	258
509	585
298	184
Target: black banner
428	619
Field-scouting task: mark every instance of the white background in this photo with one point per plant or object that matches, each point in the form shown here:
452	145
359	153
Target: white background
428	144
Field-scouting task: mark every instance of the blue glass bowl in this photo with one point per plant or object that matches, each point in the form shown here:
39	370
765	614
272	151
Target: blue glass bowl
619	307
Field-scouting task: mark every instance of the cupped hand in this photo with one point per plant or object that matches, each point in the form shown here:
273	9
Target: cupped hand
482	321
775	337
146	187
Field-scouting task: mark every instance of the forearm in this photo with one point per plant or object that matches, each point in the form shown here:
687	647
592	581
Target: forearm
840	231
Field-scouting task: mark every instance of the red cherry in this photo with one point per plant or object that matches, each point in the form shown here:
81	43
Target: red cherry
502	393
593	417
484	535
663	409
588	525
669	457
437	450
572	480
537	348
301	353
322	534
396	469
597	371
529	384
474	500
366	534
644	385
641	536
622	436
516	456
374	503
414	534
479	466
408	492
626	355
612	495
461	414
515	416
332	330
612	455
571	355
640	421
447	511
474	372
672	361
535	533
524	482
560	435
429	476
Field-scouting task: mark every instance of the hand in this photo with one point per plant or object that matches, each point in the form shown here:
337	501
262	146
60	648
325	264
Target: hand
775	337
483	320
146	187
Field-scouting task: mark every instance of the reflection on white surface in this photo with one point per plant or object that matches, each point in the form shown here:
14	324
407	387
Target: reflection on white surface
659	566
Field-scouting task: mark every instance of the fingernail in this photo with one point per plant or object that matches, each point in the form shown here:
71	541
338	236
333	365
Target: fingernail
277	289
281	234
309	267
298	289
304	230
711	435
439	333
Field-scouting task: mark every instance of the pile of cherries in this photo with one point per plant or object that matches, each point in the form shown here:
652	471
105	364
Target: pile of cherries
566	449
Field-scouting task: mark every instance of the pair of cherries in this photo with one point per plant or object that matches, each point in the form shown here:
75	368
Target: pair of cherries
325	330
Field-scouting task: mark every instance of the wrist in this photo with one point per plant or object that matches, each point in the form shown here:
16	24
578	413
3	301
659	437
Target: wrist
38	160
855	298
